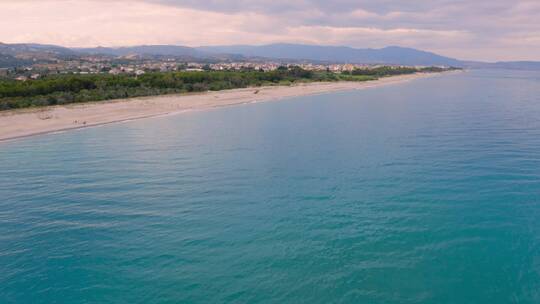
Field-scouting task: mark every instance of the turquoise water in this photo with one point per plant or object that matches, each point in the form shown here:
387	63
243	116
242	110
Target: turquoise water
422	192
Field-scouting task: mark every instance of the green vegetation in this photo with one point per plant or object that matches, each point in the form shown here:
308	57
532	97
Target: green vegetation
65	89
383	71
7	61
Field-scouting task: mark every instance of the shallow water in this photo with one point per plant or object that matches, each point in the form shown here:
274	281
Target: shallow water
421	192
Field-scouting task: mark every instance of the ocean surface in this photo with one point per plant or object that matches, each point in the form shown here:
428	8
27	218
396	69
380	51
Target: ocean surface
422	192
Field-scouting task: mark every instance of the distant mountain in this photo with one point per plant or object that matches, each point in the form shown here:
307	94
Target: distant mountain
184	52
8	61
507	65
35	50
150	50
388	55
13	55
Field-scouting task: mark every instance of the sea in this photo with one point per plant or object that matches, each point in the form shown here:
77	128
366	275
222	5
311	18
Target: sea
425	191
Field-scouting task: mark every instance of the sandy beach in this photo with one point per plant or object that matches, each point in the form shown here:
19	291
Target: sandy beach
23	123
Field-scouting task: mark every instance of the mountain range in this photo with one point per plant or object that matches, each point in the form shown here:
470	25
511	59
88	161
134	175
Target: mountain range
21	54
296	52
387	55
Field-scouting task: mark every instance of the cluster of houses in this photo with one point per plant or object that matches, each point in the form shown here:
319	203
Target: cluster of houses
134	67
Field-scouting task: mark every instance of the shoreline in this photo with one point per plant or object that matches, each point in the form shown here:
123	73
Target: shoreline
16	124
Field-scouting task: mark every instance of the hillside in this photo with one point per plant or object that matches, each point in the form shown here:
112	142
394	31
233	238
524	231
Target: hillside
388	55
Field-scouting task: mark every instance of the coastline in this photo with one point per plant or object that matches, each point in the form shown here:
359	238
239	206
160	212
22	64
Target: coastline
30	122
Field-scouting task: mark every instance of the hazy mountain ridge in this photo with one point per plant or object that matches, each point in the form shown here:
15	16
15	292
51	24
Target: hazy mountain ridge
508	65
8	61
12	55
156	50
388	55
29	49
159	51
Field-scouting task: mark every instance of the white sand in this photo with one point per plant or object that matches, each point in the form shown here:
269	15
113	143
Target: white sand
22	123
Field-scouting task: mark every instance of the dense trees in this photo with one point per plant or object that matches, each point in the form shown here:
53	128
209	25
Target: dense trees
383	71
64	89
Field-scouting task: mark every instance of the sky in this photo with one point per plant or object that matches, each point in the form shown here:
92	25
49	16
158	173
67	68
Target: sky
488	30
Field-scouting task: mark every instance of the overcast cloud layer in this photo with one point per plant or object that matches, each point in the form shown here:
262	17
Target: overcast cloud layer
479	29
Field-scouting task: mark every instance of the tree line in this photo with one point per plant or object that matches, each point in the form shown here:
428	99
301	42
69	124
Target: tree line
65	89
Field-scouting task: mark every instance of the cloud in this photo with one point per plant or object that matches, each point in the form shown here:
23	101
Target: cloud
489	30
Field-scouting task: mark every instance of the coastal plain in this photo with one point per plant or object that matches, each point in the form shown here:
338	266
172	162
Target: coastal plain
22	123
